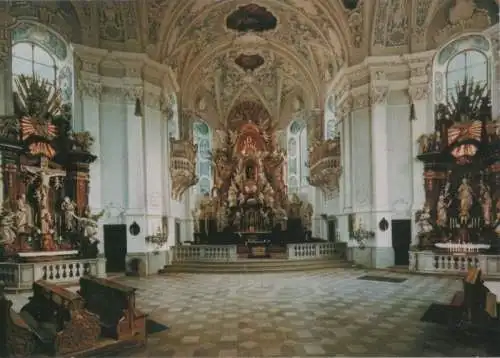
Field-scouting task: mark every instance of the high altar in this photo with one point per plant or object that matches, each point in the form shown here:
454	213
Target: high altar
249	193
45	213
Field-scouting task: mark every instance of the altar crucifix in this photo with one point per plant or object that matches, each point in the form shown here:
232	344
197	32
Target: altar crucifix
43	174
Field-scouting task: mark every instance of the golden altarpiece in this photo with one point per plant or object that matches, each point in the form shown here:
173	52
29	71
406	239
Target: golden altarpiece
461	174
45	167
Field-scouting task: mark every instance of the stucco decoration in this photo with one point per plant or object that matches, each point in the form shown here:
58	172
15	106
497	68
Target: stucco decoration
61	16
44	38
6	22
391	23
451	18
305	49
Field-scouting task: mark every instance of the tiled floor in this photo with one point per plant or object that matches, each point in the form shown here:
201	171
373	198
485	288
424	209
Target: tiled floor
319	313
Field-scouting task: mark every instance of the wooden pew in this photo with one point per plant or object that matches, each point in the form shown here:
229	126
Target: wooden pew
16	338
59	321
114	304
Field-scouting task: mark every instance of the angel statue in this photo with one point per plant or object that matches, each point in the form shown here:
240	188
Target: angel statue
89	224
7	227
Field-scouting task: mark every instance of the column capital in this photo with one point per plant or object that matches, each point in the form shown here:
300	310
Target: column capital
132	92
378	94
89	87
419	91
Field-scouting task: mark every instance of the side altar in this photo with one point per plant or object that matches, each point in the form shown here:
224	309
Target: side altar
47	230
459	225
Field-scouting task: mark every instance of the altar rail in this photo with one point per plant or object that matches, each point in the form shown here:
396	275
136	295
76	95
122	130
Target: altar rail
442	263
20	276
308	251
215	253
228	253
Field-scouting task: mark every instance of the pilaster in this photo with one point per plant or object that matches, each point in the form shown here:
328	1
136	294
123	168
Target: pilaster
422	122
493	33
383	252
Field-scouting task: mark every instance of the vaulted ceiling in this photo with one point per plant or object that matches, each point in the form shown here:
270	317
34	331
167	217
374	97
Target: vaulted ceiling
282	53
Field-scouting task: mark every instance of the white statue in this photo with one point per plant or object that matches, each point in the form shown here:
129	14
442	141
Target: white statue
466	196
486	202
442	211
424	221
7	225
89	224
68	208
24	215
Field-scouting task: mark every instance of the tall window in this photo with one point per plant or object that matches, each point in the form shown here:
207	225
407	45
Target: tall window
30	59
331	128
468	64
463	59
297	156
202	137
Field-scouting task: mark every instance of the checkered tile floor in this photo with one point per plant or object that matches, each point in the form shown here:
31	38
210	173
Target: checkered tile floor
319	313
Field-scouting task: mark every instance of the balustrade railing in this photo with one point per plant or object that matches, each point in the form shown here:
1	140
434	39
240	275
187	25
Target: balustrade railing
20	276
193	253
313	250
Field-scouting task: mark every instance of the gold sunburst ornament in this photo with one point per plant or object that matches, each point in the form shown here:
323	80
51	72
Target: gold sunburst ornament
36	102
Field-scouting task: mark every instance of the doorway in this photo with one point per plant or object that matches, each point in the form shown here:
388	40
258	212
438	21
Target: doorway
401	241
332	230
115	247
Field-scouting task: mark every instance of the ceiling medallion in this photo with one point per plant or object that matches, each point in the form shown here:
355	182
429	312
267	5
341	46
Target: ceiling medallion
249	62
251	17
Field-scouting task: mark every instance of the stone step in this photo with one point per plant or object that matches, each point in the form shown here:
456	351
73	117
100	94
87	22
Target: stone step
255	265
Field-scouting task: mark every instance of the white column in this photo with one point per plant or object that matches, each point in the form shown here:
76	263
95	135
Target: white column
383	253
136	188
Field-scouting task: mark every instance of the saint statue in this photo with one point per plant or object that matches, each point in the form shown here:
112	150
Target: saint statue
7	226
424	221
24	215
47	230
466	197
442	211
68	208
486	202
222	217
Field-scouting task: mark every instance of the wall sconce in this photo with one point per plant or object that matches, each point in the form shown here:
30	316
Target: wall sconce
138	108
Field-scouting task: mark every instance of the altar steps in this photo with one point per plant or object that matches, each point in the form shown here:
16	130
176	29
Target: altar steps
256	265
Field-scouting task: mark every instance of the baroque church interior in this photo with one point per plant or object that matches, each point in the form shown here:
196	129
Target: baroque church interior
249	177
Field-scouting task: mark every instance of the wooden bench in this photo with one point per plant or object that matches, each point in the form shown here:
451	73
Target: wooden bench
59	321
16	338
114	304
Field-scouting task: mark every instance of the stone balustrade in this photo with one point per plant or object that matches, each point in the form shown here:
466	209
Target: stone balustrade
20	276
197	253
453	263
308	251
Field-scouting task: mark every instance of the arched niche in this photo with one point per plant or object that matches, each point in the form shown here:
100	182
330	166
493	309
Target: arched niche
38	50
468	56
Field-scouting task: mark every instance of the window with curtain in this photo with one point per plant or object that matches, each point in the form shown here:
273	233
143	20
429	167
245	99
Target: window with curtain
30	59
202	137
468	64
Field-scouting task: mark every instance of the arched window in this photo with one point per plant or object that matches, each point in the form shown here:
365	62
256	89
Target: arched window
37	50
331	128
297	156
202	137
30	59
463	59
467	65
